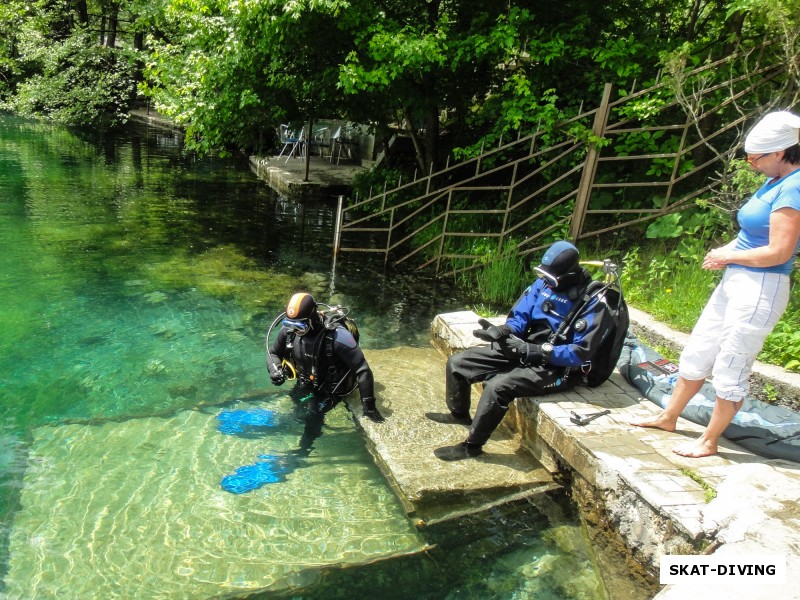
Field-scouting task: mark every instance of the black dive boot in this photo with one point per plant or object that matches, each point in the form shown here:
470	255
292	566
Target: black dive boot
487	417
457	452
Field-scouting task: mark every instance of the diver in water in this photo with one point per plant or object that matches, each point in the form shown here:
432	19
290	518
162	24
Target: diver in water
526	357
322	354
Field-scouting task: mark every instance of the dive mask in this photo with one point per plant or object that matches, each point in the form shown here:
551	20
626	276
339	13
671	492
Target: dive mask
298	326
562	282
550	279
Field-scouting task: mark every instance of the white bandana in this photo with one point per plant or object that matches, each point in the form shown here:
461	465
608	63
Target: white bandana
776	131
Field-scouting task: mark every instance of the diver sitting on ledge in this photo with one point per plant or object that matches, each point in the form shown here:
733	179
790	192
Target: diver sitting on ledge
531	354
323	355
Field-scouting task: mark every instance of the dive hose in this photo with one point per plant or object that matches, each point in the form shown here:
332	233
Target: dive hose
269	334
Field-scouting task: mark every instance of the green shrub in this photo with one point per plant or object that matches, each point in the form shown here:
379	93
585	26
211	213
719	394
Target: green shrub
76	83
674	290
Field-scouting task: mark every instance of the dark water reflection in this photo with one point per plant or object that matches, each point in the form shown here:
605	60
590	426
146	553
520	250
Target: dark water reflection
136	280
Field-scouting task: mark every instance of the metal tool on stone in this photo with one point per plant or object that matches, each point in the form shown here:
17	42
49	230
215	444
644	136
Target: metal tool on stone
583	420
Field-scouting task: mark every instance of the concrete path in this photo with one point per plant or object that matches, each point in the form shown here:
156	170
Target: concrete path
658	501
287	176
658	498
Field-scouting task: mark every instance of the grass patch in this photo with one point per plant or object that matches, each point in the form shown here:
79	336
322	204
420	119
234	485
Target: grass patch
671	289
502	278
709	493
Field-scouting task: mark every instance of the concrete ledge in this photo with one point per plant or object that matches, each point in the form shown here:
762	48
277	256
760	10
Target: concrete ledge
153	118
628	479
287	177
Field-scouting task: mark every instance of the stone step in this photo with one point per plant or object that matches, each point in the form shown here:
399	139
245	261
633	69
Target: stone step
409	383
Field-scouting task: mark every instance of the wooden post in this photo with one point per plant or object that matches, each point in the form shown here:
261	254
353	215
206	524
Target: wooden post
501	240
444	232
388	239
307	142
589	168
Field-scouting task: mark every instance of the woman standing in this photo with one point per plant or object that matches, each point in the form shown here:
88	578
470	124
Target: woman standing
754	290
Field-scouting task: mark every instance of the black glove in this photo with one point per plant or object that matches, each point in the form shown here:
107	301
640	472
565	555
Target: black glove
370	410
491	333
526	353
276	374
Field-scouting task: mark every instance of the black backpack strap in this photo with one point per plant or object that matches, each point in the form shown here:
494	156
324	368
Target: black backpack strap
592	289
332	372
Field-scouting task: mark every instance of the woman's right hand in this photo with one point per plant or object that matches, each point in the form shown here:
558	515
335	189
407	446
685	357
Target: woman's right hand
715	259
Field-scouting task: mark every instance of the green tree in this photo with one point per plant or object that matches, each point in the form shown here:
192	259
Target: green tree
12	16
427	64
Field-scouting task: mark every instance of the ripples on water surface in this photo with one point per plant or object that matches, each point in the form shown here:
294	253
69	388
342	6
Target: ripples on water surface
136	284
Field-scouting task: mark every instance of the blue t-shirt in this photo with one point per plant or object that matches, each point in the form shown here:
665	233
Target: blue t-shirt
754	218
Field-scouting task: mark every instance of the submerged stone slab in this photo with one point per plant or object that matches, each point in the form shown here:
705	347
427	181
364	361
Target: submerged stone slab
134	509
409	383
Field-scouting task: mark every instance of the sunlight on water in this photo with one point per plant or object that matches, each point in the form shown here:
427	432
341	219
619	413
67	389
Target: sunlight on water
135	509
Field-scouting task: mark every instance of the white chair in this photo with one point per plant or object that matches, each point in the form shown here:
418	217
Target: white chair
342	140
292	140
320	141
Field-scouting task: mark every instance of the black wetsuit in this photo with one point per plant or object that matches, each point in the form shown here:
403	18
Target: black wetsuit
329	365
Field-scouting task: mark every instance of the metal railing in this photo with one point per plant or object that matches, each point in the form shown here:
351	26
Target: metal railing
524	193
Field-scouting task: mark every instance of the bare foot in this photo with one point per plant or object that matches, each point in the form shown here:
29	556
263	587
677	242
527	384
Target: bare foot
696	448
660	422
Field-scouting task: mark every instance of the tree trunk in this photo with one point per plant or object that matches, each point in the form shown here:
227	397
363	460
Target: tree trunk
431	125
419	149
113	16
83	12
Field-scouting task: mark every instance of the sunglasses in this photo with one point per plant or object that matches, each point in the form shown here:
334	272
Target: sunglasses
751	160
298	326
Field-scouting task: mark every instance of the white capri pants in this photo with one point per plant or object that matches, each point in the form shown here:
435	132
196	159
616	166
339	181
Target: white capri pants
730	332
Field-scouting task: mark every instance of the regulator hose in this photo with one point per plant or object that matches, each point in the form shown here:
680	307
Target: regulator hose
270	362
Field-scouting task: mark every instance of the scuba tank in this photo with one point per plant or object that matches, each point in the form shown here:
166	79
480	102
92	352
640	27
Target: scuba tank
338	315
333	317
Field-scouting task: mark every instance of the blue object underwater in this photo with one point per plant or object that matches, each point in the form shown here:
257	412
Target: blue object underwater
233	422
269	469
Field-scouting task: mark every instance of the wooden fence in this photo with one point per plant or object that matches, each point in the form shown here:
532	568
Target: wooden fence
659	150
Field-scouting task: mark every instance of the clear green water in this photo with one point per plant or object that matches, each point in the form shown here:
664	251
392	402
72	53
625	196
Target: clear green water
136	284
